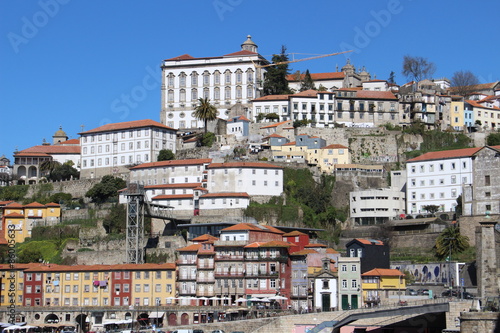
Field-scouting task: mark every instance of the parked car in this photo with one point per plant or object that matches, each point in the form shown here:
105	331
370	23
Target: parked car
412	292
423	291
449	293
218	331
467	295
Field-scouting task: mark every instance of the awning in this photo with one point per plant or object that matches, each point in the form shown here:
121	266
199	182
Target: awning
156	314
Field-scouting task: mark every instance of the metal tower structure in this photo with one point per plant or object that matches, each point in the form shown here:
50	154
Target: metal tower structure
138	206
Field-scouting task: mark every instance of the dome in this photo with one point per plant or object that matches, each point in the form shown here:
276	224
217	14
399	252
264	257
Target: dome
249	45
60	132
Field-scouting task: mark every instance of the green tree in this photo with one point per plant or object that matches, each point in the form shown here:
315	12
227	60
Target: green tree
458	207
65	171
391	78
450	241
106	189
47	167
307	83
116	221
29	255
275	82
208	139
493	139
165	155
301	123
431	208
205	111
272	116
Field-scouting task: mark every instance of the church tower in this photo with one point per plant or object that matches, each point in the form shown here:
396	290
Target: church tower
249	45
59	136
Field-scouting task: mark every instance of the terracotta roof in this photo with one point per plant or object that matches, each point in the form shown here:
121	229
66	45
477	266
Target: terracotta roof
315	245
252	227
272	98
181	57
14	205
294	233
477	104
52	204
190	248
332	251
175	185
274	135
226	195
303	252
117	267
383	272
369	241
253	165
240	53
445	154
35	204
49	150
273	229
3	203
71	142
128	125
334	146
172	196
290	143
14	215
276	124
317	76
277	243
369	94
194	161
204	238
243	118
3	241
307	93
253	245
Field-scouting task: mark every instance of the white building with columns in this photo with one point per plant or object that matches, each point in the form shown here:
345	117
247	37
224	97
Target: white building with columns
228	81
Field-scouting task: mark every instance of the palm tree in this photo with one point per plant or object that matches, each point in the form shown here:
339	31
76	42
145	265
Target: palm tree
450	241
47	167
205	111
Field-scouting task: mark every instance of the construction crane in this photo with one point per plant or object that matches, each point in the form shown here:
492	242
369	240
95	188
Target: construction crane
292	61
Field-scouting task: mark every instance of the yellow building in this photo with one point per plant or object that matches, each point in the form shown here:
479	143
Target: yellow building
379	284
12	284
20	219
457	113
327	157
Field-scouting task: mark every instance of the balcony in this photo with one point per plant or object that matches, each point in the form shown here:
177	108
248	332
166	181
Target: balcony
206	279
205	265
186	261
229	257
186	277
228	274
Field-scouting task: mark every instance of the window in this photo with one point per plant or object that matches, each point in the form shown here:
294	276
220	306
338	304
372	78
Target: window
344	284
354	268
344	268
487	181
354	284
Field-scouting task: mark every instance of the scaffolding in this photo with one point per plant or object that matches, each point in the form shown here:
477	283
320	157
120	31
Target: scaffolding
138	207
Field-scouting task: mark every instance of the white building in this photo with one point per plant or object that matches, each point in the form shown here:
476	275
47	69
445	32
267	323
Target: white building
231	79
325	288
113	148
436	178
376	206
256	179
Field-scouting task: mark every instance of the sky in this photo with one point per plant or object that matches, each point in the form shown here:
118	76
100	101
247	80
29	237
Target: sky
81	64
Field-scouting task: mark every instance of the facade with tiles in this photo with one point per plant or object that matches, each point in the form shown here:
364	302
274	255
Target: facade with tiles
113	148
234	78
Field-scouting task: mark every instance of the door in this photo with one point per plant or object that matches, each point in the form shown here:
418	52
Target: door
325	302
345	302
354	301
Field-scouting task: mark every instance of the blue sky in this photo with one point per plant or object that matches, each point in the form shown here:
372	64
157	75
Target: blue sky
73	62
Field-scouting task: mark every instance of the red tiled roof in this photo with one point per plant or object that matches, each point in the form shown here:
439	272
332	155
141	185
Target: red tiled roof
226	195
272	98
307	93
383	272
35	204
276	124
277	243
128	125
14	205
274	135
369	94
190	248
330	250
240	53
273	229
52	204
204	238
48	150
14	215
181	57
71	142
369	241
303	252
316	76
172	197
477	104
290	143
194	161
445	154
334	146
243	118
253	245
3	203
294	233
251	227
253	165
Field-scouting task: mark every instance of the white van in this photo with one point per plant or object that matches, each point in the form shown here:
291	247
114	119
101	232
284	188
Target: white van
183	331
